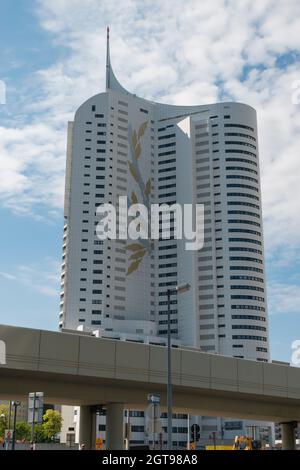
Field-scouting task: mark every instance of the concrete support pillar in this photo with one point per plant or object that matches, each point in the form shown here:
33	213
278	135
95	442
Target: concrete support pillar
288	435
94	428
115	426
87	427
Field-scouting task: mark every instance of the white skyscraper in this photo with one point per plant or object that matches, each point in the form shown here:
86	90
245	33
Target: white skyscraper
123	145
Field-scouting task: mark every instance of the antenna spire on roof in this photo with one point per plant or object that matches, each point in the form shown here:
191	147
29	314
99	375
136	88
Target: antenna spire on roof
107	60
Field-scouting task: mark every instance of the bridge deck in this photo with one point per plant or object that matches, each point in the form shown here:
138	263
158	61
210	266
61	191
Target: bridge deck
77	369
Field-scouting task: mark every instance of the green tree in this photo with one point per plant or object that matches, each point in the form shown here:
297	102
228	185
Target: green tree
52	422
4	411
23	431
39	435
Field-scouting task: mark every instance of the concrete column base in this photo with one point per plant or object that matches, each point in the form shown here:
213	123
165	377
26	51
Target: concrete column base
288	435
115	426
87	427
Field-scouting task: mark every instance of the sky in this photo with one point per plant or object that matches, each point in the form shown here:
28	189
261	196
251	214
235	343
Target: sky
52	58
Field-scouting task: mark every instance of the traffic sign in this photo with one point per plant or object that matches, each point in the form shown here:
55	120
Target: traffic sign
153	419
152	398
35	407
195	432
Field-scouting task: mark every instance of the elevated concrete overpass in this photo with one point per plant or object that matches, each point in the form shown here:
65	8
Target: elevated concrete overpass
81	370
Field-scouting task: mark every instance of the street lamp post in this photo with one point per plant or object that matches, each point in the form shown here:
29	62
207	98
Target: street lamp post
178	289
169	386
188	432
15	404
9	415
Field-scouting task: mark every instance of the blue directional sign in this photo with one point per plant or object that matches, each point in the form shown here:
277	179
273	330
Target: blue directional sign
154	399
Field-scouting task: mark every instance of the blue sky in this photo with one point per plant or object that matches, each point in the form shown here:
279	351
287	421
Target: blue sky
52	59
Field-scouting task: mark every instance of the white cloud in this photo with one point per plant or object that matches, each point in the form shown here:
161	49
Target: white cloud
7	276
177	52
284	298
43	278
31	167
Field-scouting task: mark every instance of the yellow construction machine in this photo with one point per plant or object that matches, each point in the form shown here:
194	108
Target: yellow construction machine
247	443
